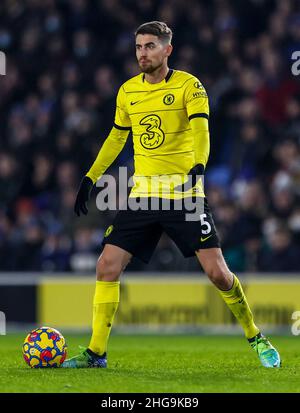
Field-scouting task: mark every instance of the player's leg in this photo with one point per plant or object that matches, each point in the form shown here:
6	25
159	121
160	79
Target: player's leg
228	285
110	265
200	236
133	233
230	289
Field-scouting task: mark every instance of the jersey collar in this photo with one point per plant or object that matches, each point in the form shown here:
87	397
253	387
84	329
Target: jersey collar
169	74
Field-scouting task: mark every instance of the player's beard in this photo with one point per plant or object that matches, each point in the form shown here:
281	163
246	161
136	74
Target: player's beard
150	68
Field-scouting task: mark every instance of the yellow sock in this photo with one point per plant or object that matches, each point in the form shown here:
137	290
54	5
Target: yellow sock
236	300
106	300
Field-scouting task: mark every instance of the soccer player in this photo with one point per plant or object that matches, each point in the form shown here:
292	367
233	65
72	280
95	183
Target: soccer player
167	112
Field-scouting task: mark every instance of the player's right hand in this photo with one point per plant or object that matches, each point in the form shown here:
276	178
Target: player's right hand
83	196
193	177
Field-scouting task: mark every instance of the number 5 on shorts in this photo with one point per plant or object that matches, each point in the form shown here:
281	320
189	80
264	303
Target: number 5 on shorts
206	224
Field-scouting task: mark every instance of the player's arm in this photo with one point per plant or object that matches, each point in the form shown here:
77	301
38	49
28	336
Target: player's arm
199	126
196	101
109	151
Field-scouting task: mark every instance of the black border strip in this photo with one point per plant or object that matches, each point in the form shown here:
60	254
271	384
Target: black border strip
198	115
122	127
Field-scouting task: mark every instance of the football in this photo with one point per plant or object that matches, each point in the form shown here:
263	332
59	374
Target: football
44	347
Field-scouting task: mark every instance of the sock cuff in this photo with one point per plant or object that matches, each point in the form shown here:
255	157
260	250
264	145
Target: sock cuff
107	283
235	293
107	292
235	282
231	290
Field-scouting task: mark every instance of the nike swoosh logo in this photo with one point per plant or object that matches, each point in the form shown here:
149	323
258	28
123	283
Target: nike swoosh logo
133	103
204	239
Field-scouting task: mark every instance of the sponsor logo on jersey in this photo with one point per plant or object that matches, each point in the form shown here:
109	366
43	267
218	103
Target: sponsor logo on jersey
199	94
198	85
154	136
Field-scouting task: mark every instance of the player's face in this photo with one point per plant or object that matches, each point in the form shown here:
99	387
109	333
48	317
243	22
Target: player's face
150	52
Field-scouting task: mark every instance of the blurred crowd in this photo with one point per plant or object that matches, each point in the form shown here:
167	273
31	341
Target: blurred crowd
65	62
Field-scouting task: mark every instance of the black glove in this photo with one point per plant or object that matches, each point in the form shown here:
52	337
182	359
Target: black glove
83	196
193	177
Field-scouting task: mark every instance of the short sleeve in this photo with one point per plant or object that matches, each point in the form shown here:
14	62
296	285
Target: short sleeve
196	99
122	119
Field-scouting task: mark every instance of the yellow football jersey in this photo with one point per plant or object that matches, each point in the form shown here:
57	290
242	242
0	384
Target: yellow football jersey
159	116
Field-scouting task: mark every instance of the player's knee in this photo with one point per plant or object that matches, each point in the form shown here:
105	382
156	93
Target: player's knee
220	276
108	269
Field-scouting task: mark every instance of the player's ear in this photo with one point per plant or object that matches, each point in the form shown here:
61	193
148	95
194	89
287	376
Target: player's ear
169	49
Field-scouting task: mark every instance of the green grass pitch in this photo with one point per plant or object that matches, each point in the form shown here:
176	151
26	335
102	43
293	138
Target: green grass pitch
162	364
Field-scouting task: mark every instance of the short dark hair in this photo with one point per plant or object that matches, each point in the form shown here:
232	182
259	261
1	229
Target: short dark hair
159	29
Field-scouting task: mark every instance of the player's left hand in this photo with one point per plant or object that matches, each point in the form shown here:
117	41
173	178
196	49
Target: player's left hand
193	177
